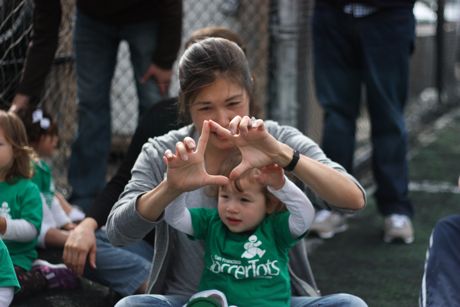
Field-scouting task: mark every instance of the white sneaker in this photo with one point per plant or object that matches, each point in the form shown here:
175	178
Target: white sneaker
327	223
398	227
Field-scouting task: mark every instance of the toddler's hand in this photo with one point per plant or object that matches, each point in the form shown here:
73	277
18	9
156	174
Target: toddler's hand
271	175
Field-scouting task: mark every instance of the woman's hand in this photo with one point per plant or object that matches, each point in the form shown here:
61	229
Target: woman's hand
186	167
258	148
80	247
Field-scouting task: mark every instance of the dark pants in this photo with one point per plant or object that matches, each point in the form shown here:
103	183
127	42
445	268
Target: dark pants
96	48
370	52
441	280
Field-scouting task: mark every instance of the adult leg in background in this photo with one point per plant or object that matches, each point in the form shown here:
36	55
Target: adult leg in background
96	46
337	82
387	38
142	41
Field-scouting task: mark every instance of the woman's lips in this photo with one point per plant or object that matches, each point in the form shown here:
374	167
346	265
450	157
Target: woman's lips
219	137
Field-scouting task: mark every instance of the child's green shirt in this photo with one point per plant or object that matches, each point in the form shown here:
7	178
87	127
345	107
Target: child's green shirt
250	268
44	180
21	200
7	275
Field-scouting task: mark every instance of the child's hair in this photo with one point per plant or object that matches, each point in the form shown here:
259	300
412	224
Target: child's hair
206	60
229	164
15	134
38	123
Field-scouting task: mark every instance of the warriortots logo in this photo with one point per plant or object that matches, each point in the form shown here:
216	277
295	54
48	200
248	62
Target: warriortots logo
253	267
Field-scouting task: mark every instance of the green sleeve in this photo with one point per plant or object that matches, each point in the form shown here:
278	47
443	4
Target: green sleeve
7	275
31	205
201	218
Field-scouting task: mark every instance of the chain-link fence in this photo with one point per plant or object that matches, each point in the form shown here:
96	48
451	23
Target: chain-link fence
264	27
15	27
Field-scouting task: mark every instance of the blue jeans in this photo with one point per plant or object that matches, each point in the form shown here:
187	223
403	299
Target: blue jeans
96	47
441	280
373	52
123	269
342	300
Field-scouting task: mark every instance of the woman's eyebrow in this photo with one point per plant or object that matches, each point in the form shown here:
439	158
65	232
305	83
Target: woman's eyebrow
234	97
204	101
201	102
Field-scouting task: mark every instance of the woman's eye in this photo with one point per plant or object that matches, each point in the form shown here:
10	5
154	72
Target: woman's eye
233	103
204	109
245	200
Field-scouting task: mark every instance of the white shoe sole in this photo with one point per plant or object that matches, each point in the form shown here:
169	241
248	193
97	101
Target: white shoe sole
46	263
389	239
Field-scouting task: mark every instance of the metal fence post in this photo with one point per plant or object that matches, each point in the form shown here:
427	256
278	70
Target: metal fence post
283	101
440	50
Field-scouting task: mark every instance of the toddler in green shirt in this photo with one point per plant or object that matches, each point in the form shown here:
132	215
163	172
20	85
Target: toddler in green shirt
248	236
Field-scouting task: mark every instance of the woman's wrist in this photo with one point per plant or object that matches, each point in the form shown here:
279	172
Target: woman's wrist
293	163
284	157
170	188
89	223
161	196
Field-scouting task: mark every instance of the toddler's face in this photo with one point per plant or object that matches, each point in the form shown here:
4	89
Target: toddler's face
242	210
6	155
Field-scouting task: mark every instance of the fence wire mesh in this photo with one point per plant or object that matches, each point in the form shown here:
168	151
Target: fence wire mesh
15	28
254	20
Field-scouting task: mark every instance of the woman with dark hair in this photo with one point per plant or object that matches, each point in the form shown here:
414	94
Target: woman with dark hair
125	270
216	85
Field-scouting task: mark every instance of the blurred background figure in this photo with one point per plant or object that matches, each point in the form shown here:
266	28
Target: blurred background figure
152	30
356	45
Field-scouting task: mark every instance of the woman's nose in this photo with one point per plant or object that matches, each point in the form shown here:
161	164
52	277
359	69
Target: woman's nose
222	118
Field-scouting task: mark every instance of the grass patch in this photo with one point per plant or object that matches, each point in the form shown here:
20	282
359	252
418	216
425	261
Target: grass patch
387	275
359	262
439	160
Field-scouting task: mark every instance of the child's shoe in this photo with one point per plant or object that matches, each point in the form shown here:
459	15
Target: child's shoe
57	275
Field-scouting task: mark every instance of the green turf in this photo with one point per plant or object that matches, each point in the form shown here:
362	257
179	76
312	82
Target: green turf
358	261
439	160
